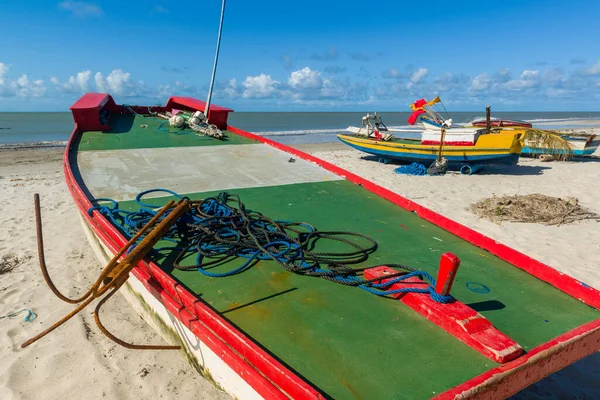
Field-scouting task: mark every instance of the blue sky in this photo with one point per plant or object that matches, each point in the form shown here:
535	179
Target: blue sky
304	55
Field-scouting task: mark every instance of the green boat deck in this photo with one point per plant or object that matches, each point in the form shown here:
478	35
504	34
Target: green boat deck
346	342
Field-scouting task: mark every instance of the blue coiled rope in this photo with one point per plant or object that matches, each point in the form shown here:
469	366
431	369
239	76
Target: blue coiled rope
221	229
411	169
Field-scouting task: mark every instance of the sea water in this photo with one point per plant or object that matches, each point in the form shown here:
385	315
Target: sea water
51	128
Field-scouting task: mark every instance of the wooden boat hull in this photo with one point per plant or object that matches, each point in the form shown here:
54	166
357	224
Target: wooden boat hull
502	123
490	149
233	355
581	147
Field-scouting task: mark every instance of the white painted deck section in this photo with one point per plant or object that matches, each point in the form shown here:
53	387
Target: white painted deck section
122	174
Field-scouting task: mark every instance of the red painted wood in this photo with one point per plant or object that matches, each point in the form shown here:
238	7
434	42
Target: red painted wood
456	318
448	267
91	100
86	111
503	123
563	282
216	114
448	143
508	379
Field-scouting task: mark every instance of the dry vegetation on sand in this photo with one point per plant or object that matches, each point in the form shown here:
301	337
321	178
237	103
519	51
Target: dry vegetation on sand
536	208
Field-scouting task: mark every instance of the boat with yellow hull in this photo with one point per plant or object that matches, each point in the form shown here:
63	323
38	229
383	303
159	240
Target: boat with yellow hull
495	148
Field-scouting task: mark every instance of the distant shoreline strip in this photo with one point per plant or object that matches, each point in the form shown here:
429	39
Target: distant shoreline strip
34	145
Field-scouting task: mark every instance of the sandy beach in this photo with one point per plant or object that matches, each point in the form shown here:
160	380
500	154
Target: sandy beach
77	361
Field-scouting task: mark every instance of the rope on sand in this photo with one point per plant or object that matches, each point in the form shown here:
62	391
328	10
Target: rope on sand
28	318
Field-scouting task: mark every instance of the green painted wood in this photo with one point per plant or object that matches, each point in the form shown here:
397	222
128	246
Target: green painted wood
352	344
127	133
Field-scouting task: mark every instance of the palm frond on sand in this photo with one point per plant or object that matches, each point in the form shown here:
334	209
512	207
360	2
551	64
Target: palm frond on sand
548	142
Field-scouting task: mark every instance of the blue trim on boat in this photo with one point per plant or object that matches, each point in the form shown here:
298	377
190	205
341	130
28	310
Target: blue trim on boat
532	151
454	161
430	122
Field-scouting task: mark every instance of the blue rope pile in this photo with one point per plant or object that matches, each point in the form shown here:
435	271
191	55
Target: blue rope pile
220	229
412	169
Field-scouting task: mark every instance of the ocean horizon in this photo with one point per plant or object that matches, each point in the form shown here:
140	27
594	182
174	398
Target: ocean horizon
287	127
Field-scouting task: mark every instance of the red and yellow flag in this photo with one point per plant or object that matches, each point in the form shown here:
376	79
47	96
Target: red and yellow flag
434	101
413	117
418	105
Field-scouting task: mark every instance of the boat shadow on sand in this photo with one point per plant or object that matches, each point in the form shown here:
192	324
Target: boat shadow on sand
518	169
587	159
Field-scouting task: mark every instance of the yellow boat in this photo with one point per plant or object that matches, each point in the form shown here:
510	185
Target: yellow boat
494	148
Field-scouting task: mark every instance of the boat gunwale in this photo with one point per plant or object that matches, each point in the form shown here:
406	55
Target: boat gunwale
448	147
258	367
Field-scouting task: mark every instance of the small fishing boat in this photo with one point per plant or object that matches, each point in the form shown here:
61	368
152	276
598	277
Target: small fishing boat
460	146
581	145
501	123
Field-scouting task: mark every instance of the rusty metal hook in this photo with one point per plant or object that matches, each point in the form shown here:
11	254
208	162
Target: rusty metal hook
115	274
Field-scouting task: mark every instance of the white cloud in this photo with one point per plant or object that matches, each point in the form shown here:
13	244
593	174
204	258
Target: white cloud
99	80
305	79
232	88
23	87
417	77
502	76
481	82
77	83
307	86
528	79
3	71
117	81
81	8
593	70
259	87
530	75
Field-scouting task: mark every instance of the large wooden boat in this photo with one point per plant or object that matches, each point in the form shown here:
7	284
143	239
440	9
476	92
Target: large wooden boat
267	332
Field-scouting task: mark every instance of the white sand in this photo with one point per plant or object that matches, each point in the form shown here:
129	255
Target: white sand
73	364
70	363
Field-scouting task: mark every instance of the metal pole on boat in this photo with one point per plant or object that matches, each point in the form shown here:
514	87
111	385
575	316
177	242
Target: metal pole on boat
212	79
488	119
442	136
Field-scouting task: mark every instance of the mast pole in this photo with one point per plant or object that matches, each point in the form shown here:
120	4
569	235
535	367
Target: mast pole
214	71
